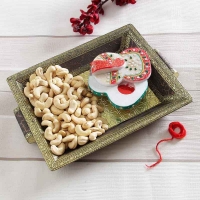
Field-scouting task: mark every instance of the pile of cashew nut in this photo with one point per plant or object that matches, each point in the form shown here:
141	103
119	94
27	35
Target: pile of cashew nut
69	111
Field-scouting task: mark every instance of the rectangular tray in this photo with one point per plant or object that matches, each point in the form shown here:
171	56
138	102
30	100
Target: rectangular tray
162	82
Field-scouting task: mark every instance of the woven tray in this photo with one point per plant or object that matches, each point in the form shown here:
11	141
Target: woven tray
162	82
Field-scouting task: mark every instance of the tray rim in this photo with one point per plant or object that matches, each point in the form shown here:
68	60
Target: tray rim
172	102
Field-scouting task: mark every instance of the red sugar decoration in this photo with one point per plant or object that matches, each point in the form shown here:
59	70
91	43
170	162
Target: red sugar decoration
171	129
125	89
105	64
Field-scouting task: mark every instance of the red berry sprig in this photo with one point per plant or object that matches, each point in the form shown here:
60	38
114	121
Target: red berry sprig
83	23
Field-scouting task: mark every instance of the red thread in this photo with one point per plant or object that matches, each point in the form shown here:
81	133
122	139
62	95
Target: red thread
171	129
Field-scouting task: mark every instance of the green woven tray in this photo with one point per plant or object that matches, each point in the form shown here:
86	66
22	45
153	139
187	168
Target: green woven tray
162	82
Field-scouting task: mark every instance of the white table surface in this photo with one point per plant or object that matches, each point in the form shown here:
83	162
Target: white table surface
35	30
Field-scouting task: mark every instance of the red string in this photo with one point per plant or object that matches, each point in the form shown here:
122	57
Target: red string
171	129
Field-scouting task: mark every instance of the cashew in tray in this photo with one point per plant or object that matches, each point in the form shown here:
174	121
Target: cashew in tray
38	90
64	116
68	138
56	124
66	87
47	123
88	124
63	133
69	111
82	140
70	95
45	102
48	116
78	120
81	132
48	134
70	127
72	106
94	135
57	101
73	143
94	113
55	110
68	78
78	112
58	150
57	140
84	101
39	72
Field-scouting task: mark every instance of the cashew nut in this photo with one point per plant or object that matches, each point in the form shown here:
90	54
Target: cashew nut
39	72
47	123
38	90
82	140
78	103
78	120
32	76
55	88
56	124
98	124
38	81
51	94
84	101
64	116
66	87
86	111
79	92
42	104
68	138
88	105
94	103
73	82
72	106
57	140
105	126
27	91
94	114
68	78
70	95
73	143
94	98
88	124
80	131
49	73
57	101
93	129
55	110
85	91
78	84
43	97
89	94
48	116
63	133
61	71
70	127
78	112
38	112
57	81
78	78
94	135
58	150
48	134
